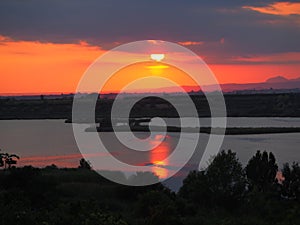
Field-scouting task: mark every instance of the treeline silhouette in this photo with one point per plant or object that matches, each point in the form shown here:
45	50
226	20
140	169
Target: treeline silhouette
8	160
250	105
224	193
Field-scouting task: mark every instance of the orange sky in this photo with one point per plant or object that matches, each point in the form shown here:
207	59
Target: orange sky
142	70
35	67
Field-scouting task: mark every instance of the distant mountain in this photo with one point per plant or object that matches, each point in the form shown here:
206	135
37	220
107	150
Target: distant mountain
278	79
295	80
278	82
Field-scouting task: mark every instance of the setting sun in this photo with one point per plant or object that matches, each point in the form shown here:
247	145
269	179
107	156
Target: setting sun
157	57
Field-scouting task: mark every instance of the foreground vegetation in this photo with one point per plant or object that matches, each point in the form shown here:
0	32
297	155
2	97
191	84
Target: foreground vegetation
224	193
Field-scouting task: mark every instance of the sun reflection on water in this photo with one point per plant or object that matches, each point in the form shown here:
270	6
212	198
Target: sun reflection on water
158	156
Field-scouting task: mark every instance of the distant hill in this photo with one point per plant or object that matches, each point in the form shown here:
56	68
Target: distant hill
278	79
295	80
278	82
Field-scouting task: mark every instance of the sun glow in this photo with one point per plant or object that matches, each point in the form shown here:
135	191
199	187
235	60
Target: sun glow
137	71
157	57
157	67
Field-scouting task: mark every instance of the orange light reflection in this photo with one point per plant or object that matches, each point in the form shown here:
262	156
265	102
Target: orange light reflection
158	157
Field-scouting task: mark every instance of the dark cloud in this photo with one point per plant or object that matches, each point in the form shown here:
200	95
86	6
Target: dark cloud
105	22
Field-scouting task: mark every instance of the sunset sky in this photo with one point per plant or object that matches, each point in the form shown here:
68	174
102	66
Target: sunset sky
45	46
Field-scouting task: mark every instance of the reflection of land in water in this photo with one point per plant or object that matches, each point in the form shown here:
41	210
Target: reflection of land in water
142	125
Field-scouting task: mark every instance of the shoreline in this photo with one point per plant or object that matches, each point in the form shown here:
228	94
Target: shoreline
68	120
205	130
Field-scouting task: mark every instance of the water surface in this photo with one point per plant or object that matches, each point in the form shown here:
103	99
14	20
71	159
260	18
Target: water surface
46	142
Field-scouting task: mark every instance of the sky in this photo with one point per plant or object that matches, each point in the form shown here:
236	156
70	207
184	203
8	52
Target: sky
46	45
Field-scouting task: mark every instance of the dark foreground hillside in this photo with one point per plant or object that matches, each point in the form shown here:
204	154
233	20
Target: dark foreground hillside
225	193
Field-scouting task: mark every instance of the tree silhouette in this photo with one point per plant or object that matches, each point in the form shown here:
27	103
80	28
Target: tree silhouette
223	183
291	183
7	160
226	179
196	189
83	164
261	171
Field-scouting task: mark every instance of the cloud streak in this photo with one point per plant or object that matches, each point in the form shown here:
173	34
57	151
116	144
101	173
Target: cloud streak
190	43
278	8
